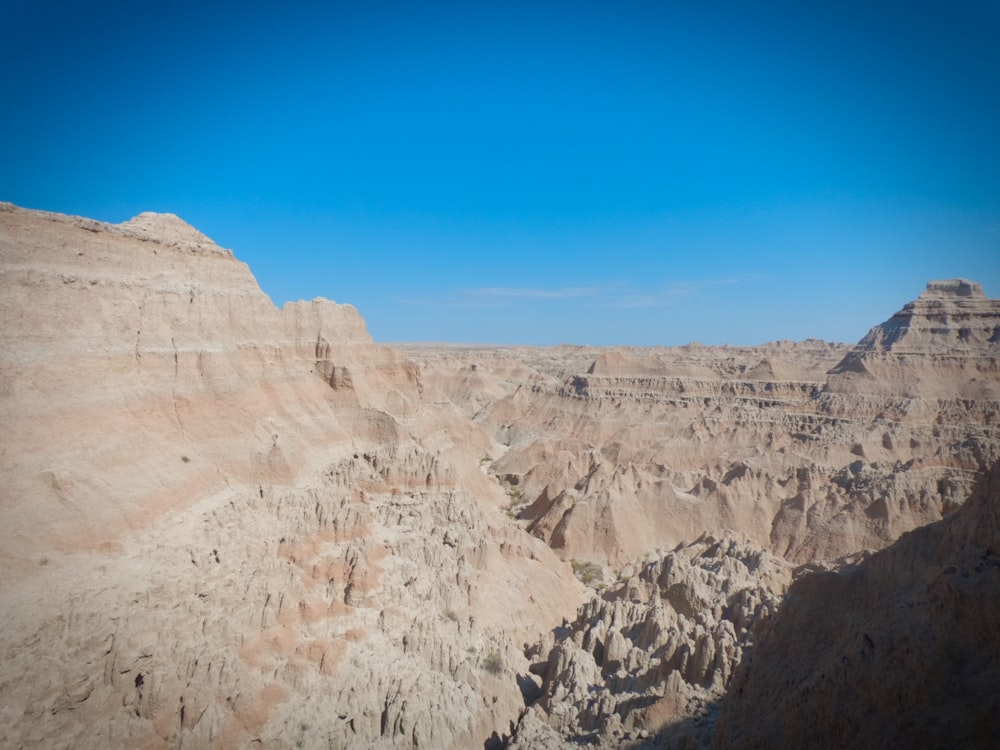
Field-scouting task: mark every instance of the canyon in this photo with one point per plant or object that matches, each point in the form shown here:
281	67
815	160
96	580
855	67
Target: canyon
226	524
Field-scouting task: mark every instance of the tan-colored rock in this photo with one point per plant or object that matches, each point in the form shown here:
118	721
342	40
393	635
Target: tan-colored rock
943	345
656	649
225	524
642	448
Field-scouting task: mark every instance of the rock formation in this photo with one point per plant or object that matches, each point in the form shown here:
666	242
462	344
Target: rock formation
228	525
646	448
900	650
656	648
944	346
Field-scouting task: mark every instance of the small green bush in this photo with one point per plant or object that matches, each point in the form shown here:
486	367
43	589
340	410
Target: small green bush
185	459
493	663
587	572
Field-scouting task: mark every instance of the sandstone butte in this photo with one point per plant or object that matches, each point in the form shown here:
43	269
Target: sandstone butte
228	525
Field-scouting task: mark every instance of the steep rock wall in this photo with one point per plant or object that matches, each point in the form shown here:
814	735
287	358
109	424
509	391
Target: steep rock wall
900	650
225	524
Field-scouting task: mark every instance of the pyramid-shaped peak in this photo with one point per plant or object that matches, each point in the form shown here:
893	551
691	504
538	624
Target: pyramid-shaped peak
168	229
945	342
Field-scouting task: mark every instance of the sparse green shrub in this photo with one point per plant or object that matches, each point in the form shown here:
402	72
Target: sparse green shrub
185	459
493	663
515	498
587	572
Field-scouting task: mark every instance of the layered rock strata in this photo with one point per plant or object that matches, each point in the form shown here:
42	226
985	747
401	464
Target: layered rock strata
941	347
225	524
814	450
228	525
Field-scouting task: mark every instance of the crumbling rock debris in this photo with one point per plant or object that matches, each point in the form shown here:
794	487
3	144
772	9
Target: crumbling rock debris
656	648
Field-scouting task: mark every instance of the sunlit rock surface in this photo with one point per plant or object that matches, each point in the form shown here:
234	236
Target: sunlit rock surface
229	525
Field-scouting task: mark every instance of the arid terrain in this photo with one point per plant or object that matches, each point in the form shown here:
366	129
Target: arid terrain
224	524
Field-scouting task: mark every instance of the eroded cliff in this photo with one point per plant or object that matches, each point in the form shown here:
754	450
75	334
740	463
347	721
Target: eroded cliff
814	450
899	650
812	453
227	524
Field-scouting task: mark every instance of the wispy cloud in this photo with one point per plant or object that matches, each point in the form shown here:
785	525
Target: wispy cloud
669	294
497	296
620	295
531	293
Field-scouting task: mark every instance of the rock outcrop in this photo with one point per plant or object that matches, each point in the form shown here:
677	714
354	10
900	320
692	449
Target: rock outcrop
227	525
138	374
655	649
945	345
814	450
900	650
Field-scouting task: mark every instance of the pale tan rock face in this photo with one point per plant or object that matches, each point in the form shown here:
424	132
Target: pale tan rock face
123	356
225	524
228	525
656	648
944	345
814	450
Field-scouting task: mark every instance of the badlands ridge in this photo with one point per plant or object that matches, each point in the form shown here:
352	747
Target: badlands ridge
229	525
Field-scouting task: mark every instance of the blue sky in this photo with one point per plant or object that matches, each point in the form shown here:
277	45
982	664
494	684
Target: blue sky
590	173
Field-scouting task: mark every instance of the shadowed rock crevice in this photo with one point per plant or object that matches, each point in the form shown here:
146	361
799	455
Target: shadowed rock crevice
900	650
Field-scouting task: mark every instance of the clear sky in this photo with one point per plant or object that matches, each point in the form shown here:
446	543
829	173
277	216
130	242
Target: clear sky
580	172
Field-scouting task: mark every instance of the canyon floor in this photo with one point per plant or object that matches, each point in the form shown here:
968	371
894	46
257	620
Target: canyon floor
225	524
